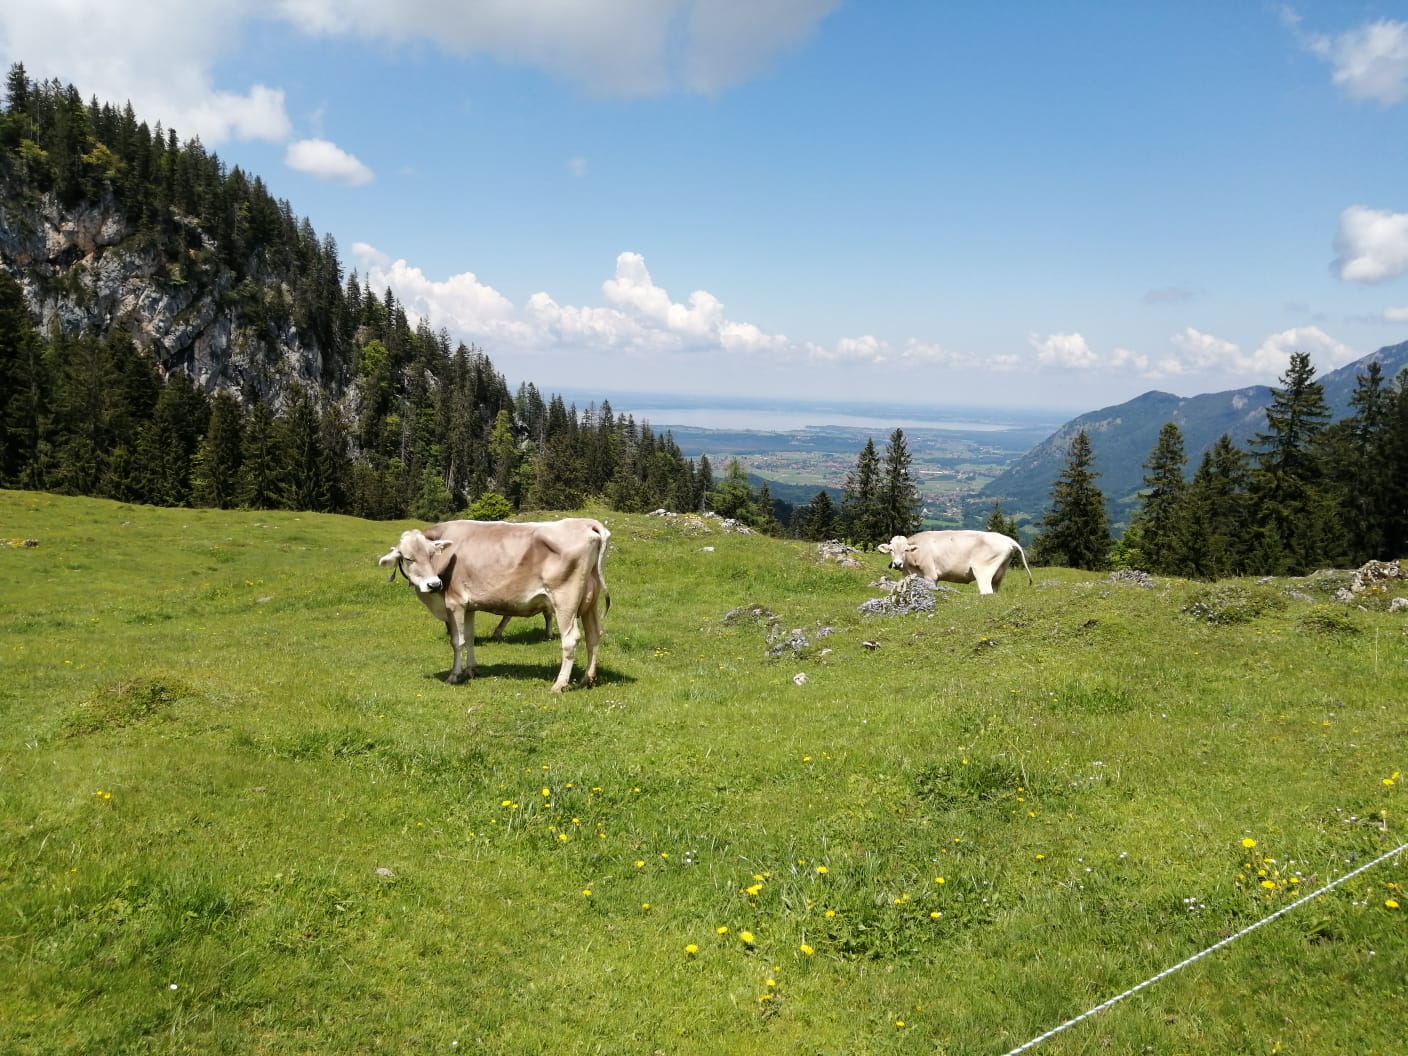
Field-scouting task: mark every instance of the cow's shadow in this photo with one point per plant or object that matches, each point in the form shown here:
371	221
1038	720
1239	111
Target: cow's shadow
544	673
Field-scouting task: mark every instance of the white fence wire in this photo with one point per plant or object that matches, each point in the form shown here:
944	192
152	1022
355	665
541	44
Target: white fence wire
1203	953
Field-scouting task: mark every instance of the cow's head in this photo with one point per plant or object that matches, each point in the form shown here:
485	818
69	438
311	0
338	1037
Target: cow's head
415	556
896	548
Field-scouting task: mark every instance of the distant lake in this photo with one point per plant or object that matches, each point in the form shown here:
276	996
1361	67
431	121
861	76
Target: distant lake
664	410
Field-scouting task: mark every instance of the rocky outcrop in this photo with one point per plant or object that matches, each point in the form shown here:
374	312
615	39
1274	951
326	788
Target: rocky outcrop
90	270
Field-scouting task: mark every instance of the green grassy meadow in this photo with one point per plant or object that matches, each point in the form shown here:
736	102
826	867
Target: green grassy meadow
242	812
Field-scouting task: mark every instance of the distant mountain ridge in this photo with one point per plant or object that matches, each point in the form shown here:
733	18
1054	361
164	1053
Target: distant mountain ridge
1123	436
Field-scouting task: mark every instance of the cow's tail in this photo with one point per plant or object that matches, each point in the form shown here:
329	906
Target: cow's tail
1028	567
605	535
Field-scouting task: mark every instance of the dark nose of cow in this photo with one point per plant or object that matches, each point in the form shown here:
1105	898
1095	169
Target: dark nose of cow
432	584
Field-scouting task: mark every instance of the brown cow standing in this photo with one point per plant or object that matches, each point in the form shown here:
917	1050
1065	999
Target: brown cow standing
553	567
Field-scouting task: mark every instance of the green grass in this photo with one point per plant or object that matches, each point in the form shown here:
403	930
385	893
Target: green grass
241	811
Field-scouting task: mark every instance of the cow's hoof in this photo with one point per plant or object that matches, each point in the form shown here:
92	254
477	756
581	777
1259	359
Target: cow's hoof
456	679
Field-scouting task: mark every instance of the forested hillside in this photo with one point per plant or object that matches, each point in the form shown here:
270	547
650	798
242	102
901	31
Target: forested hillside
170	333
1122	436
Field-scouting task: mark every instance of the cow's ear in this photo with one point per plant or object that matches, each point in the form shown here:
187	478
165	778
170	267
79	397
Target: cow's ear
390	558
438	545
884	548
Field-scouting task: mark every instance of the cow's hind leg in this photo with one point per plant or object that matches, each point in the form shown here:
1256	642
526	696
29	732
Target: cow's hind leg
591	630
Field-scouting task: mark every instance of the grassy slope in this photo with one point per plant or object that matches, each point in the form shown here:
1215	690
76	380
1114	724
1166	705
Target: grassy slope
218	727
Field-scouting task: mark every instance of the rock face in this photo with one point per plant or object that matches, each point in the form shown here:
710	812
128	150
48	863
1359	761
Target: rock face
89	269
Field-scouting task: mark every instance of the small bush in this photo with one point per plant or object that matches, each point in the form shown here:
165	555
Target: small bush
1227	603
1332	620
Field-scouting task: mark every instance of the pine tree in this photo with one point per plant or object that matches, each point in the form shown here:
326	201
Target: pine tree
1162	510
1001	524
259	486
1214	540
862	517
25	389
733	497
1358	454
1296	524
216	467
1076	529
899	495
817	519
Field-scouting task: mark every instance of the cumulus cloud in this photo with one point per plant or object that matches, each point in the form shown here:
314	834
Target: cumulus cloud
1063	350
1372	245
326	161
1274	354
157	55
1370	62
1396	314
1195	350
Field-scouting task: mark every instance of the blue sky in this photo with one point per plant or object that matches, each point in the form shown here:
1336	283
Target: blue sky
1059	205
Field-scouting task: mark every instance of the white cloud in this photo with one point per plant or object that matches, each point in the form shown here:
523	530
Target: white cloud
1396	314
1370	62
577	166
616	47
1274	354
1372	244
1063	350
158	55
326	161
1195	350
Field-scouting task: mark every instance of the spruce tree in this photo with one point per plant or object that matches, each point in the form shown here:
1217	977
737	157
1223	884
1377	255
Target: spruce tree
1162	510
862	517
1003	525
899	495
216	467
1295	524
1075	531
1358	453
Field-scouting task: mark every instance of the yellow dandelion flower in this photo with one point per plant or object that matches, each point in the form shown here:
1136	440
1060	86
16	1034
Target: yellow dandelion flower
645	905
1249	843
830	913
691	949
746	937
1041	857
639	864
807	951
938	879
754	890
821	870
1270	885
586	892
1390	903
722	929
562	837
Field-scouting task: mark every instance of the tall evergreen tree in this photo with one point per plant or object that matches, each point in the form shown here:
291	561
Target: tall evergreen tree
25	389
899	495
862	516
1214	541
215	472
817	519
1075	531
1293	511
1162	511
1358	454
1002	524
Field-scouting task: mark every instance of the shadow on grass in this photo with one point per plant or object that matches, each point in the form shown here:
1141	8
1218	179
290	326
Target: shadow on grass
544	673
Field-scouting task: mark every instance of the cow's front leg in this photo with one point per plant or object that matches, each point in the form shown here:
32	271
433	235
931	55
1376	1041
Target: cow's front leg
463	669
